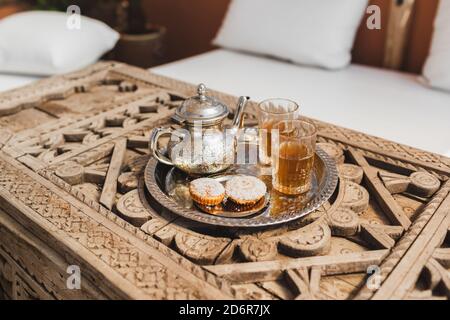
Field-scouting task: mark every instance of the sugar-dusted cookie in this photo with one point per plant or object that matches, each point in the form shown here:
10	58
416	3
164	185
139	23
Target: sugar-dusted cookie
207	191
245	190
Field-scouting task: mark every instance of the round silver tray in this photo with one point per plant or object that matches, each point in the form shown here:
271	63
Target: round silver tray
160	180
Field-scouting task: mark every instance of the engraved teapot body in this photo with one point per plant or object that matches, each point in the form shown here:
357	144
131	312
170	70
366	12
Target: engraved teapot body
204	145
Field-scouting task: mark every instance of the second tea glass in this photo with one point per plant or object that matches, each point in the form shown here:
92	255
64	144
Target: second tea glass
293	153
270	112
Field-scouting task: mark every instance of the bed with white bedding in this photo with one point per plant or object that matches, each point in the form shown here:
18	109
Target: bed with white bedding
11	81
388	104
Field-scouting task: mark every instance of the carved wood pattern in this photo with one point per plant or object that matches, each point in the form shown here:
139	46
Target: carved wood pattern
133	264
80	174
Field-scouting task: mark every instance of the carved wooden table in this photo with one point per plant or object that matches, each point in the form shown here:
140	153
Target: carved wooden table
72	153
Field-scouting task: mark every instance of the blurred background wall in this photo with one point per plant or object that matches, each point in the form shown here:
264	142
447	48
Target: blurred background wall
192	24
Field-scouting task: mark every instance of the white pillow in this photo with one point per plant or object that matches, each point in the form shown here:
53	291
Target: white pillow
437	66
40	43
310	32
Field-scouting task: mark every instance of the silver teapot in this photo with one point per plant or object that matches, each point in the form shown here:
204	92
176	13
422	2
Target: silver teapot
204	145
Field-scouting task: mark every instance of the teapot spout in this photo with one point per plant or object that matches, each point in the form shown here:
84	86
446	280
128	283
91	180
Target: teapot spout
237	120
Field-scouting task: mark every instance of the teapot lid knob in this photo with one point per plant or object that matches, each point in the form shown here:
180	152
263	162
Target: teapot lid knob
201	91
201	108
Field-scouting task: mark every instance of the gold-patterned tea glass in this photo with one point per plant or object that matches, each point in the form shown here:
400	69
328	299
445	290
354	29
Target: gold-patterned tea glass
270	112
294	146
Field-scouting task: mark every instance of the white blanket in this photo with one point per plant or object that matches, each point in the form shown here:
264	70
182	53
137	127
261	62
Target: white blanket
8	81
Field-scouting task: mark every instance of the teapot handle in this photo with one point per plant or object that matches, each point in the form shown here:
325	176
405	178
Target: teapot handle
153	145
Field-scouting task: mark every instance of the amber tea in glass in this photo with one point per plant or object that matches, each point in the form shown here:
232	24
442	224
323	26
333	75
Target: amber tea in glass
294	145
271	112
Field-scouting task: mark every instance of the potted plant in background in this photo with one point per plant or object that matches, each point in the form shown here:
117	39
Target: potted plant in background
140	43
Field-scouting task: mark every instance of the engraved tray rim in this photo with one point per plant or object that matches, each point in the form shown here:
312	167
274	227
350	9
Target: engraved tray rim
158	195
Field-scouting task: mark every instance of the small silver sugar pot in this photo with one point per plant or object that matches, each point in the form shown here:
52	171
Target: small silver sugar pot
203	145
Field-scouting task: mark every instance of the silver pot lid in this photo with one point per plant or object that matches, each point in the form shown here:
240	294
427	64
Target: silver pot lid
201	108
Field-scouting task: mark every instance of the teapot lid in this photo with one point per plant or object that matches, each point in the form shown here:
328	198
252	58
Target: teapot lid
201	108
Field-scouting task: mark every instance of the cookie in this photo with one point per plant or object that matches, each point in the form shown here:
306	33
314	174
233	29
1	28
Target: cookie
207	191
245	190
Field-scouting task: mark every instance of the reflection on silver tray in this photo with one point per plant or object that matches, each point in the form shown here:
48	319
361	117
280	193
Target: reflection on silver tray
169	187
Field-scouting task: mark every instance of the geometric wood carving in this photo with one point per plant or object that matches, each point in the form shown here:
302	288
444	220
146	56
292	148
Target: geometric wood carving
382	195
350	172
343	222
71	172
395	183
378	239
130	207
355	198
312	240
423	184
254	249
75	180
333	151
110	186
419	183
